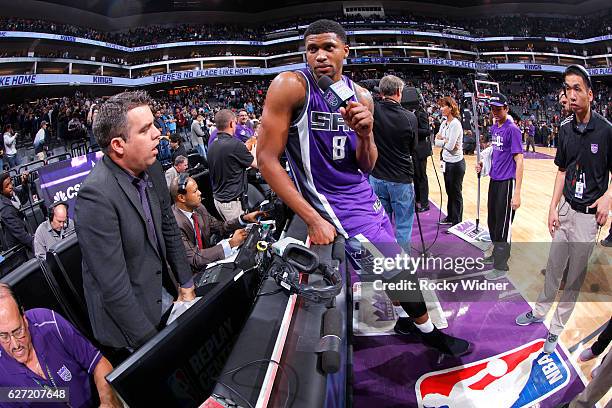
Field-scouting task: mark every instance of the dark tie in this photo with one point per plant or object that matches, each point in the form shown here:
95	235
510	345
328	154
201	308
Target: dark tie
196	227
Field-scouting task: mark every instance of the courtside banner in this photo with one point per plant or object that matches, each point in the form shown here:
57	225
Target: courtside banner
7	81
61	181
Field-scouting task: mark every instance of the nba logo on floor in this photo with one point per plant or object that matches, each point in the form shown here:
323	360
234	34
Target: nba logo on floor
514	379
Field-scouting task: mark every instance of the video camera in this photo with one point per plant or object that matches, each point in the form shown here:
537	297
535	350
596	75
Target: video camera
411	98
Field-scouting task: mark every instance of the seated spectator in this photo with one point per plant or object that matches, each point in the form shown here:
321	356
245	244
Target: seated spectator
53	230
13	220
176	145
228	161
43	350
197	225
180	166
39	141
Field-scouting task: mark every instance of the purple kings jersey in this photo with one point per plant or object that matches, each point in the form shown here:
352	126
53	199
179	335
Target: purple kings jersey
506	142
321	150
243	132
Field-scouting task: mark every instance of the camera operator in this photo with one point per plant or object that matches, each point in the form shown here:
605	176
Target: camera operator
392	176
422	152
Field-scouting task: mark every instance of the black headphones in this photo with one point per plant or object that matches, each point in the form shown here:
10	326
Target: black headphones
51	210
182	183
287	275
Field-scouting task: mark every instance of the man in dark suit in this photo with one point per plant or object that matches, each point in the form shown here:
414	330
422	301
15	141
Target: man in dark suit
197	225
422	152
126	229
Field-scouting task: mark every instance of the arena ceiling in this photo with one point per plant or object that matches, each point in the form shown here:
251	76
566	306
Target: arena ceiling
121	8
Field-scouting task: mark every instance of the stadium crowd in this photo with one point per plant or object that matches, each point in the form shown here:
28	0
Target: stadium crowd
532	98
577	28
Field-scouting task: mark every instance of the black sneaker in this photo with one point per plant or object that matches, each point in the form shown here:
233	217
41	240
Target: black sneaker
405	325
488	260
446	221
422	209
606	242
446	344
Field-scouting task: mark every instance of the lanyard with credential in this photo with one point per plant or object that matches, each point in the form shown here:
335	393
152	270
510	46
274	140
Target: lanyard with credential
45	386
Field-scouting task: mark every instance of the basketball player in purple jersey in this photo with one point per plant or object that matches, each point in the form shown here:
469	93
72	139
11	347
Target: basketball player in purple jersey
328	153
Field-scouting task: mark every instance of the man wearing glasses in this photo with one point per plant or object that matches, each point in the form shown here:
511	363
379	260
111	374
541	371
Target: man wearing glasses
580	203
41	350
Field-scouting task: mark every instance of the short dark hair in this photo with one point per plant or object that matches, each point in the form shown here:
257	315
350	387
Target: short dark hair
111	121
176	138
580	71
326	26
223	119
3	177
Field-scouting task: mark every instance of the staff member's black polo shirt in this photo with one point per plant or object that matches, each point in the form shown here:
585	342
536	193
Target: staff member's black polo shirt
228	159
395	137
587	151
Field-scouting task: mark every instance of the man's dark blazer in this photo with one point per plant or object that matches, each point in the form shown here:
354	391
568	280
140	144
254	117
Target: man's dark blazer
199	258
423	147
12	219
123	268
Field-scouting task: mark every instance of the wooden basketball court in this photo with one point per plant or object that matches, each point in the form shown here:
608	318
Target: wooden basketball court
593	310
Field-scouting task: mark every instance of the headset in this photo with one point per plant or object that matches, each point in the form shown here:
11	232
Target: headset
51	211
295	259
182	183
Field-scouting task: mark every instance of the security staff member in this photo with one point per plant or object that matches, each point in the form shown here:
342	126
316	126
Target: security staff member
581	200
395	138
228	160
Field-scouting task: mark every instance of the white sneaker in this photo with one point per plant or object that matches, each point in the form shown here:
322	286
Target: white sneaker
525	319
551	343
